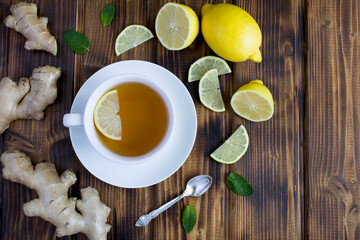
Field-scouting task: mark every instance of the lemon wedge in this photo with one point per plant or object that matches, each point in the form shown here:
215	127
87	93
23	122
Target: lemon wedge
233	148
176	26
132	36
204	64
106	115
253	101
209	91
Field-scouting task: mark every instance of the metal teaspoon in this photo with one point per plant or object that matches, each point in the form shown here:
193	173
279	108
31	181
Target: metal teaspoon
195	187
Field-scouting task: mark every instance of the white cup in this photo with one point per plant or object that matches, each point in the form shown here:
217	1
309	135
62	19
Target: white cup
85	119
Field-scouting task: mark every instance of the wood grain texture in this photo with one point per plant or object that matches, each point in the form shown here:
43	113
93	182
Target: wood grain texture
272	161
332	117
301	163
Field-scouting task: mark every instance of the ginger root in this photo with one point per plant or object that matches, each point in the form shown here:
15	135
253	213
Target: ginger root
39	92
53	204
24	19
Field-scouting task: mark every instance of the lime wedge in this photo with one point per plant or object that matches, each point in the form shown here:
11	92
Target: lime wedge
204	64
132	36
233	148
209	91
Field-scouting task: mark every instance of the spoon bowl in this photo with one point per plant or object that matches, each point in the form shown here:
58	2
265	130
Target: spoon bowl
199	185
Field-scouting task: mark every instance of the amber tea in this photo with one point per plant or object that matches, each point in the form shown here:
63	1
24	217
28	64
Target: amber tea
144	120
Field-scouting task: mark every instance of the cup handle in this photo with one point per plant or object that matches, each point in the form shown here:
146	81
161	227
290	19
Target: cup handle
73	120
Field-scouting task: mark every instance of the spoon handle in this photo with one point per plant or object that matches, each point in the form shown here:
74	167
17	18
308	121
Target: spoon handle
145	219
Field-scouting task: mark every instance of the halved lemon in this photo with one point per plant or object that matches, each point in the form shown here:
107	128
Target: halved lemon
106	115
176	26
233	148
209	91
253	101
132	36
204	64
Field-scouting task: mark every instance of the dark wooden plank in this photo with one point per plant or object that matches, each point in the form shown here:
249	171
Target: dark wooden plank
4	6
332	119
42	140
299	162
272	161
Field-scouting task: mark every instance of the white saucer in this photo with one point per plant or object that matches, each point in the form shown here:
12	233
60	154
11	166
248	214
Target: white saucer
161	166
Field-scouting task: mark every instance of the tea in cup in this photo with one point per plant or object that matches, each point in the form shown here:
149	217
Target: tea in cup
145	116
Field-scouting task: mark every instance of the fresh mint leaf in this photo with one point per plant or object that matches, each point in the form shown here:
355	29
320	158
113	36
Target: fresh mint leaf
76	41
107	14
238	185
189	218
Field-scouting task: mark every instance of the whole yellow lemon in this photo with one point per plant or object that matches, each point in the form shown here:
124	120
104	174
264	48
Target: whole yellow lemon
231	32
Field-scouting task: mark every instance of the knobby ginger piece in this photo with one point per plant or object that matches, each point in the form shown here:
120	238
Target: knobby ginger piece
35	95
53	204
24	19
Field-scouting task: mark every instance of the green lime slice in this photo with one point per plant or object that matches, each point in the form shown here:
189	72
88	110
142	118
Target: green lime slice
233	148
132	36
209	91
204	64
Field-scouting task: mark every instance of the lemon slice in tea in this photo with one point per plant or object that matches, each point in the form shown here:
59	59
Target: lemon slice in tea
233	148
176	26
106	115
204	64
209	91
253	101
132	36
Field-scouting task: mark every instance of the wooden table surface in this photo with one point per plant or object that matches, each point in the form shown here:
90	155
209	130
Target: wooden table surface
303	163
